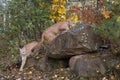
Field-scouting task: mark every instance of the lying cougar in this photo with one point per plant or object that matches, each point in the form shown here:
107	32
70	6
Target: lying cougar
51	32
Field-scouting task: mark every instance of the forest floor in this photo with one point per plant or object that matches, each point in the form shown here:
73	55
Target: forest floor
11	72
59	74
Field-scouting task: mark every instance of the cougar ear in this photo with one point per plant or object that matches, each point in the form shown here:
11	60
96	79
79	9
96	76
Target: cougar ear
21	46
70	21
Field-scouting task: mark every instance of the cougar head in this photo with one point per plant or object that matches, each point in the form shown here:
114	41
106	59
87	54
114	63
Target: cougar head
71	23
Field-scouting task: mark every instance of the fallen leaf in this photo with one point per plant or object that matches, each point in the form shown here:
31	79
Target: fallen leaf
30	72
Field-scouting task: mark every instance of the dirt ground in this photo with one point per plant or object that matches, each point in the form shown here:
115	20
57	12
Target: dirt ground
10	71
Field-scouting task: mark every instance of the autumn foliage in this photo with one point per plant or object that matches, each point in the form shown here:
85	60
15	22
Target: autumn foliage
58	10
102	13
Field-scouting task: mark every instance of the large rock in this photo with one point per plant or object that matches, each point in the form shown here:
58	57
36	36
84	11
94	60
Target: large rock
43	63
86	65
81	39
49	64
93	64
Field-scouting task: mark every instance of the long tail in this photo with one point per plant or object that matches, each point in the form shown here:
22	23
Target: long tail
37	47
41	40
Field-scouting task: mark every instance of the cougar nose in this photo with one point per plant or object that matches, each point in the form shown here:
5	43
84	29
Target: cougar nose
32	50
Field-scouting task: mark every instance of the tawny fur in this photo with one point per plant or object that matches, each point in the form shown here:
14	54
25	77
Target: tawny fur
25	51
52	32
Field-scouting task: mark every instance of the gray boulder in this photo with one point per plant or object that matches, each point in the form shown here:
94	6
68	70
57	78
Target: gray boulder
81	39
91	65
86	65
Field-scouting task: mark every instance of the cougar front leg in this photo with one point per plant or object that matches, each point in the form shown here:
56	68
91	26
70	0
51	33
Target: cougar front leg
23	62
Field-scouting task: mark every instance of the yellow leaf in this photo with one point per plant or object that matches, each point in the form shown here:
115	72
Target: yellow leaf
56	75
61	69
63	2
55	1
66	78
106	13
63	17
58	10
118	66
76	19
18	79
52	17
61	10
104	78
73	17
118	19
58	19
13	56
41	4
54	7
30	72
113	77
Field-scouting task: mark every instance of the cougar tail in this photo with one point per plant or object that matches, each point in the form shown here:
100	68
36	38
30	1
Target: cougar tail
37	47
41	40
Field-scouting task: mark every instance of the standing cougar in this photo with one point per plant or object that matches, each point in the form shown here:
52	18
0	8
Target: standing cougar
25	51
